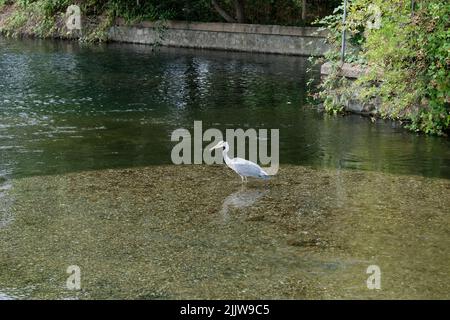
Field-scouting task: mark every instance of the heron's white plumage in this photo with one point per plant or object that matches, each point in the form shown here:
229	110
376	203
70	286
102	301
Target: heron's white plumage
242	167
247	168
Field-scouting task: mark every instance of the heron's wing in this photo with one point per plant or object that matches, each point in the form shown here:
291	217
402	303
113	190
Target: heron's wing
242	161
247	168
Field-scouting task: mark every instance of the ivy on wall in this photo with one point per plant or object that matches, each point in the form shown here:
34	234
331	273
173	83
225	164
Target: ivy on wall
406	51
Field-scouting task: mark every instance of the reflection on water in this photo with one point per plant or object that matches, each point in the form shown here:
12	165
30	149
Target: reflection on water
240	199
16	293
5	297
66	107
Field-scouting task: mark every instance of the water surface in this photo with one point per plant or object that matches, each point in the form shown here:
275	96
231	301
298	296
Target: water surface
66	107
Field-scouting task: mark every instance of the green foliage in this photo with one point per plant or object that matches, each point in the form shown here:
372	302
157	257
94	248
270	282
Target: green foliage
46	18
284	12
408	58
2	4
14	23
146	10
34	17
100	32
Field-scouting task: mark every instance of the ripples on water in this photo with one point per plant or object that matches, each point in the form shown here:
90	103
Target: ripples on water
66	107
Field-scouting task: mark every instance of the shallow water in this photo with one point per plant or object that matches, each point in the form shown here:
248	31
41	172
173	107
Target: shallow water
166	232
86	180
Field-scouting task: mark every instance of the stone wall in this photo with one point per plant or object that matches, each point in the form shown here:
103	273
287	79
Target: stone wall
352	103
224	36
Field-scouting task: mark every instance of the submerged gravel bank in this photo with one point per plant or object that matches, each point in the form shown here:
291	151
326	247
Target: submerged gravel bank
194	232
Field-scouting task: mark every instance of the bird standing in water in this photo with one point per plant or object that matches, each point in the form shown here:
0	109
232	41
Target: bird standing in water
242	167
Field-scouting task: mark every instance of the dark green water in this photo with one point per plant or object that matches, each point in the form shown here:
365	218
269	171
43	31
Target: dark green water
66	107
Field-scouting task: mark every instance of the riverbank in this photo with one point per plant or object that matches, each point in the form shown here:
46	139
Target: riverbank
287	40
34	22
177	232
406	61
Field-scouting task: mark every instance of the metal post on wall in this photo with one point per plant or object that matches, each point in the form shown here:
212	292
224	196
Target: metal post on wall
344	17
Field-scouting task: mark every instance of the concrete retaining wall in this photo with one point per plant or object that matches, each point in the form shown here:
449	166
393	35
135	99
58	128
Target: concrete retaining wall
224	36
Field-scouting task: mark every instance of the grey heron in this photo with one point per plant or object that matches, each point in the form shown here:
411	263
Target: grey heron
242	167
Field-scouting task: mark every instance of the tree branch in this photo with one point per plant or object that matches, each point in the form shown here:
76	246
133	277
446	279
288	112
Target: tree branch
303	10
222	12
239	6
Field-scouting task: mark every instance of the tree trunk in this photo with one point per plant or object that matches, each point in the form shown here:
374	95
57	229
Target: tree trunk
222	12
239	6
303	10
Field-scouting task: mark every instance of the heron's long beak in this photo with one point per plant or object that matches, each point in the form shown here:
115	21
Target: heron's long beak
216	147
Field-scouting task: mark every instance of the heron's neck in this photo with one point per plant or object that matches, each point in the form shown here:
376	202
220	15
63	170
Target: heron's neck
225	154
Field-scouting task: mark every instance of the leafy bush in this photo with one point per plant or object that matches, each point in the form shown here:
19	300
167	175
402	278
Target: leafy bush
408	58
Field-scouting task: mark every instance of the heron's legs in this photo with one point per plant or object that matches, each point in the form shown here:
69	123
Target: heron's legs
243	178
